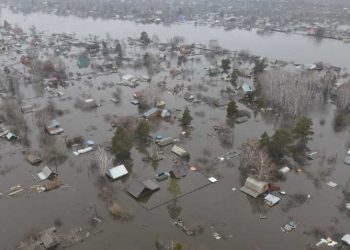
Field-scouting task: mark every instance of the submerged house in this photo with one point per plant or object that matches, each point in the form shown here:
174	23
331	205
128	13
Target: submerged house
117	172
254	187
139	189
153	112
54	127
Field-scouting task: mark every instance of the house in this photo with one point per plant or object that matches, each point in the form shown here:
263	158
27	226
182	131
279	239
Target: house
117	172
153	112
178	151
254	187
54	127
139	189
165	141
34	158
178	171
271	200
28	108
46	173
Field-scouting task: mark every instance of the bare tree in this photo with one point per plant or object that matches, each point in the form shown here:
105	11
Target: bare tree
291	92
343	96
256	160
103	160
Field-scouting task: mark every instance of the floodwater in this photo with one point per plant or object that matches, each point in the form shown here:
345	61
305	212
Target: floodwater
215	206
288	47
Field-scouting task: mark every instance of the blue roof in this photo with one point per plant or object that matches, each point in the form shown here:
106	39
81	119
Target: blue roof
150	112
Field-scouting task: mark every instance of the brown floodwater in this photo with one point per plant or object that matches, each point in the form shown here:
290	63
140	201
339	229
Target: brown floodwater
215	206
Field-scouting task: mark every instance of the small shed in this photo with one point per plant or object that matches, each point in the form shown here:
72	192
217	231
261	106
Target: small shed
254	187
117	172
178	151
139	189
46	173
34	157
165	141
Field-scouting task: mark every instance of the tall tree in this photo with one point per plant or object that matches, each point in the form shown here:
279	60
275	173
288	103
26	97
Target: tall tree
231	110
225	64
142	131
144	38
280	143
265	140
234	77
121	144
186	117
303	129
119	51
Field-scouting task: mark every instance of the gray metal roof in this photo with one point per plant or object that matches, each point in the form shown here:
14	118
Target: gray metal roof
150	185
137	189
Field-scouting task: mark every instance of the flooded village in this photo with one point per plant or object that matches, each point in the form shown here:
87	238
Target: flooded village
117	133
